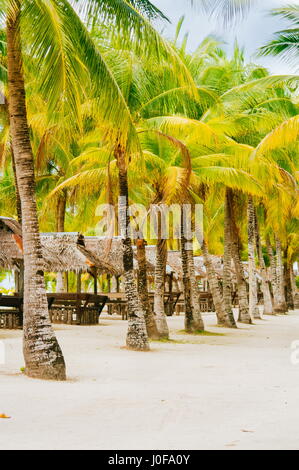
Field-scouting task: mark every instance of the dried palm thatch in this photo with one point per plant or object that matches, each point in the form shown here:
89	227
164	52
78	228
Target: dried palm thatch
199	267
151	253
10	243
67	252
110	250
10	225
217	263
61	251
174	261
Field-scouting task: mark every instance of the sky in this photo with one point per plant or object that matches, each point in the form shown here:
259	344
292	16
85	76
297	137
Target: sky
252	32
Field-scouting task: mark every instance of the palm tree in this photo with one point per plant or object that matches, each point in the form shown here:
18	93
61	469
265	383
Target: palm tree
42	353
268	304
53	52
253	298
286	42
241	122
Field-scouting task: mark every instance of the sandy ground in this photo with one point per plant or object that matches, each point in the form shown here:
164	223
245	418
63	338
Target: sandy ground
237	391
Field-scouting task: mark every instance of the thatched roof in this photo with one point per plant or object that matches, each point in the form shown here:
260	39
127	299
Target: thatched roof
110	250
10	243
199	267
10	225
174	261
67	252
61	251
74	252
10	253
151	252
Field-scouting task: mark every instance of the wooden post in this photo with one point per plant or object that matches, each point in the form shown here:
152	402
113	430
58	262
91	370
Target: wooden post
109	283
79	282
95	285
170	290
80	320
19	278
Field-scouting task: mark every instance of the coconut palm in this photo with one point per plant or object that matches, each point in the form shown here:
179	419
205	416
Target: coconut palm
63	90
286	42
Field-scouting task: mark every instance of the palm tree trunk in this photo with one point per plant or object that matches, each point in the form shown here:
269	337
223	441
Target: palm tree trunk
61	208
60	227
273	270
189	324
160	270
193	319
294	288
222	317
244	315
253	298
19	275
227	263
43	356
150	322
195	294
18	200
288	284
268	305
137	338
281	306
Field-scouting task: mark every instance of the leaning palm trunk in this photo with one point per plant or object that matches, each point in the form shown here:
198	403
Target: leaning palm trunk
244	315
43	356
253	298
160	270
150	322
268	305
281	305
227	262
195	294
137	338
222	317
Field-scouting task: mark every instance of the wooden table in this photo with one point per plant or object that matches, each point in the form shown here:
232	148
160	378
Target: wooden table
76	309
11	311
68	308
117	303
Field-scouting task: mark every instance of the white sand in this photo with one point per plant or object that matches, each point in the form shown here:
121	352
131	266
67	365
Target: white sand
238	391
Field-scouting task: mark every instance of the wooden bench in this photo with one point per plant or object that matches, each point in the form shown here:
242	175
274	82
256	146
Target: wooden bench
117	303
171	300
205	301
76	309
11	312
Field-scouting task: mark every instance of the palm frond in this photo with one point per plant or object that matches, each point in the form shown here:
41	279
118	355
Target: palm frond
285	134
